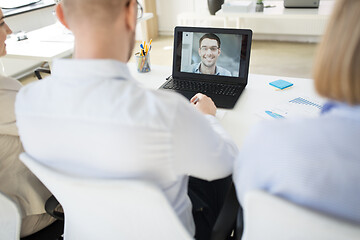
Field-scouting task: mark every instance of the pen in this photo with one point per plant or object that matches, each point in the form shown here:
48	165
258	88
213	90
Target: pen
145	48
150	44
142	49
274	115
195	100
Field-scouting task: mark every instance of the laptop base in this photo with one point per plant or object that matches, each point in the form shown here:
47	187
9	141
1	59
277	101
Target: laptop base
221	101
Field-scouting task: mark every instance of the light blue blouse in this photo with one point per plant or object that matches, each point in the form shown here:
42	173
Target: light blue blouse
313	162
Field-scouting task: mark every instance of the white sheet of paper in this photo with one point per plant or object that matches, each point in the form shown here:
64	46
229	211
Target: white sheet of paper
293	108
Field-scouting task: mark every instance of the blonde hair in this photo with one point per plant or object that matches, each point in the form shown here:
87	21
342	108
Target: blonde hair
337	65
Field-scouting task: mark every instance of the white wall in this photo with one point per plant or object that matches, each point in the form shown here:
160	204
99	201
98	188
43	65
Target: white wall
168	10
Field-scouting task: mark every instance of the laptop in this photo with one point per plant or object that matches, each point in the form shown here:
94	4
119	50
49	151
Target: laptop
212	61
301	3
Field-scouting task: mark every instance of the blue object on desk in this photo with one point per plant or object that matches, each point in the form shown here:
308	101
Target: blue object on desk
274	115
281	84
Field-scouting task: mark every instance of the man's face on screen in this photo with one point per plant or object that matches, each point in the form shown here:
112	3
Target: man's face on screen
209	52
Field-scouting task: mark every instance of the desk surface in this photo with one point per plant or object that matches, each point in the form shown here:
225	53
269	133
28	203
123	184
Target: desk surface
257	95
47	43
44	44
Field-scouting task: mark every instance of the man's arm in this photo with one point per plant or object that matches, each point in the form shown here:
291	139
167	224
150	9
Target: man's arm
202	148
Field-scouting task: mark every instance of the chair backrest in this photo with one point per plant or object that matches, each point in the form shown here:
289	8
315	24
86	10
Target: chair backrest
110	208
269	217
227	223
10	219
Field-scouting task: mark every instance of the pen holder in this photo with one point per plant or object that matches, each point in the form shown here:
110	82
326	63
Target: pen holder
143	63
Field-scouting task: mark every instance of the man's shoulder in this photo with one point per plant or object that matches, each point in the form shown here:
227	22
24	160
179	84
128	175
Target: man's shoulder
195	65
122	101
223	71
32	90
191	68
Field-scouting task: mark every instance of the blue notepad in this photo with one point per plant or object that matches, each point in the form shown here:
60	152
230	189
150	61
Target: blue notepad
281	84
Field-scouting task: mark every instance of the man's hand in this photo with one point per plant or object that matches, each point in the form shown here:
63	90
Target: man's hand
204	104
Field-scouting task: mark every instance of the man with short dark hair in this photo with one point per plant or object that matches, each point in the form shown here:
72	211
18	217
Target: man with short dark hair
91	118
209	51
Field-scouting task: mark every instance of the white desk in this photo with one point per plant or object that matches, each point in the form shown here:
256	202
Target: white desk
28	8
44	44
257	95
47	43
30	17
27	19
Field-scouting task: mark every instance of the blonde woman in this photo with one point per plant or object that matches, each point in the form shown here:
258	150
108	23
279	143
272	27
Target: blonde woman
16	181
316	162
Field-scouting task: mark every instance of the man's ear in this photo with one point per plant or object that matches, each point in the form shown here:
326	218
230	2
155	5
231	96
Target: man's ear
131	15
60	15
219	49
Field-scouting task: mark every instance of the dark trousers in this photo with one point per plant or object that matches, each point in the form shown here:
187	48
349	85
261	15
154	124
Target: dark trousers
207	199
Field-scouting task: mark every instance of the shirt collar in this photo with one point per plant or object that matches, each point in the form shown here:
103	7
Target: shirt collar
197	69
327	107
95	68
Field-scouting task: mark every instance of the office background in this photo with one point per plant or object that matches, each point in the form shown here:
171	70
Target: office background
292	57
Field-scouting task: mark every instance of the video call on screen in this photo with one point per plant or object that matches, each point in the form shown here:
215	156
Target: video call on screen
217	55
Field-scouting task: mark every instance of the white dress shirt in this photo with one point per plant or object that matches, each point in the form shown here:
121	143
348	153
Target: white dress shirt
91	118
313	162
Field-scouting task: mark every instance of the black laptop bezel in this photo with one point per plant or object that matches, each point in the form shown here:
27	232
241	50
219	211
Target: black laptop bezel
244	60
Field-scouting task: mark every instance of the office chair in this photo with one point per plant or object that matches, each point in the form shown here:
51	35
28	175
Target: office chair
40	70
10	223
229	224
270	217
52	232
10	219
110	208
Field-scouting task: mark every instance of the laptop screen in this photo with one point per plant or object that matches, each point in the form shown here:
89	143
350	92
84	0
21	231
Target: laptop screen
212	53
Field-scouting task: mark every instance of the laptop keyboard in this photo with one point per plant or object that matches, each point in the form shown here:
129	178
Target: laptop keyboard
203	87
